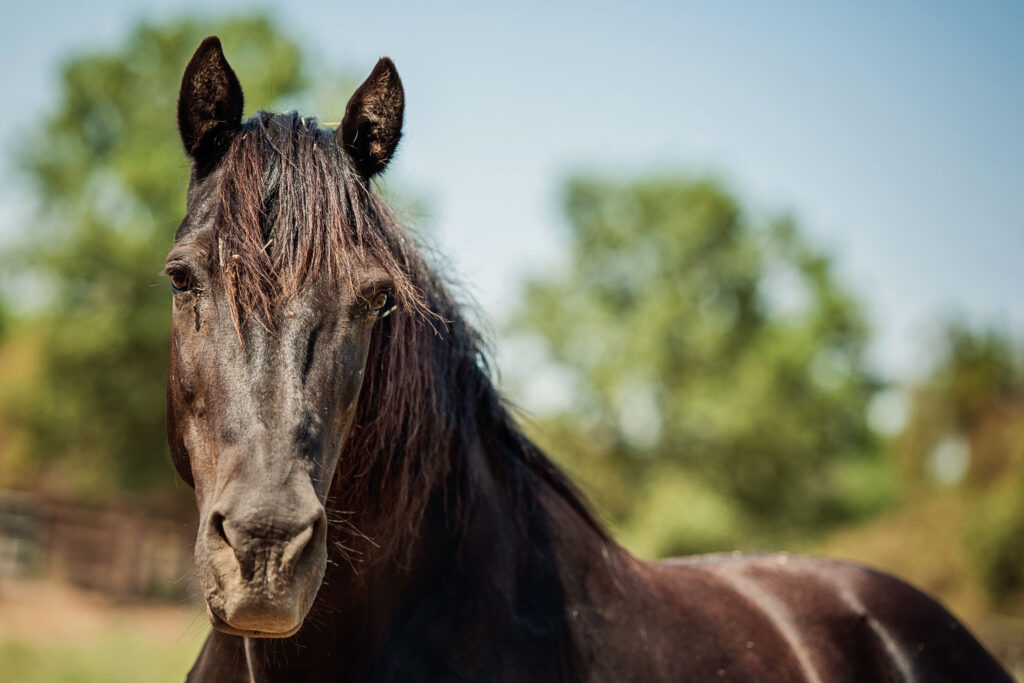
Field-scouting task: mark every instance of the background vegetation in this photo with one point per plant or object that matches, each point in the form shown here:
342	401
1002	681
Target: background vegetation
719	392
110	177
718	365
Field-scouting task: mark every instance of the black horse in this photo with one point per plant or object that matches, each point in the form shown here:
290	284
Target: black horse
370	511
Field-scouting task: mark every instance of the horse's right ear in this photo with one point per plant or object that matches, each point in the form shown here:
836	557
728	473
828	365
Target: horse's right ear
209	103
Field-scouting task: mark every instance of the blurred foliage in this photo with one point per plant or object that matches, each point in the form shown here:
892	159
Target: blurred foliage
995	542
719	369
974	395
110	176
966	429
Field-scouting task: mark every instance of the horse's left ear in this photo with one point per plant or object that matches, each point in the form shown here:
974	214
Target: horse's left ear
372	126
209	103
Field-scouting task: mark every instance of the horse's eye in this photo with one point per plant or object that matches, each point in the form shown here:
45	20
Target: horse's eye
181	280
378	302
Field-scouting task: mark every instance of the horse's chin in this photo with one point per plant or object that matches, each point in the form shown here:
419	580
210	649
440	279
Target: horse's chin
267	604
261	611
224	626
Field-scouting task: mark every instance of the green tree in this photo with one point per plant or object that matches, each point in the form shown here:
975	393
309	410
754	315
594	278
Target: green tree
719	368
110	177
974	390
966	432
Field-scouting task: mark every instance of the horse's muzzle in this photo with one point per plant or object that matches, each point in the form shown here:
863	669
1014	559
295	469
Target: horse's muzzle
261	565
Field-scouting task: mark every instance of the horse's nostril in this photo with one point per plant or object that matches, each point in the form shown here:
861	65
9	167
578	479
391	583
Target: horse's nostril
303	543
217	525
279	545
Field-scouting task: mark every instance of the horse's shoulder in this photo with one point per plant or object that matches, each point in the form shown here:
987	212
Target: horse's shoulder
824	586
846	608
807	568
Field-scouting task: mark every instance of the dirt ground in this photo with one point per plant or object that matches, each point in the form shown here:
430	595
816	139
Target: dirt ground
40	611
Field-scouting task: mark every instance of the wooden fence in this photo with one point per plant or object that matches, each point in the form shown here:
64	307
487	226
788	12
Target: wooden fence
120	551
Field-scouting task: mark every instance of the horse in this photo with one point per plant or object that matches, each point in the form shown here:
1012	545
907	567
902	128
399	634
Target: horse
370	509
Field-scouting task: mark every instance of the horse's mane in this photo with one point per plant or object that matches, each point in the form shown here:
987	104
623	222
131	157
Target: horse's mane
292	207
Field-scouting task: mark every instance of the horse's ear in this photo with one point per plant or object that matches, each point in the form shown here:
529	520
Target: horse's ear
209	103
372	126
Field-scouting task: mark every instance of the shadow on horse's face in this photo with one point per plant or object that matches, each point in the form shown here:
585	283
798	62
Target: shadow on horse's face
259	403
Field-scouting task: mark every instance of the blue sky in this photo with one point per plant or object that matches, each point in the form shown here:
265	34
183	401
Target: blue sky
893	131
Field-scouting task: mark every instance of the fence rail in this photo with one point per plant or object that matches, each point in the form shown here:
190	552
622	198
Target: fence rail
123	552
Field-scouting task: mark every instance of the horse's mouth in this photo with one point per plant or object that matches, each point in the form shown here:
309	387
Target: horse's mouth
260	586
263	610
222	624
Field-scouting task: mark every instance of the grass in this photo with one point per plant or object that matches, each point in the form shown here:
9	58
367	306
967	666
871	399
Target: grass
116	656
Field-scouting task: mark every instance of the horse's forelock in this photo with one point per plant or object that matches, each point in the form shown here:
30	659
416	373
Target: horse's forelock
292	208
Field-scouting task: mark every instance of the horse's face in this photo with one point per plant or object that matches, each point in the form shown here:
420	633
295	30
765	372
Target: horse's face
262	425
257	417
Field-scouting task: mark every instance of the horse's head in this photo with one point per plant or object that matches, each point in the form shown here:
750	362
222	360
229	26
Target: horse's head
279	279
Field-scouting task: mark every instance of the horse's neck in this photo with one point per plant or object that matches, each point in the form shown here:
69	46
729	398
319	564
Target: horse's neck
491	557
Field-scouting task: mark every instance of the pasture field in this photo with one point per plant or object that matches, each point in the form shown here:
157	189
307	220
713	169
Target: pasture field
50	633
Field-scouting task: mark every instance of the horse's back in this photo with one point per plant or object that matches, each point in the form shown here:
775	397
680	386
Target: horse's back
788	618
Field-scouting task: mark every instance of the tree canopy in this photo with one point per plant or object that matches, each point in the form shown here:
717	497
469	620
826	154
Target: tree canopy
107	168
966	431
719	366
